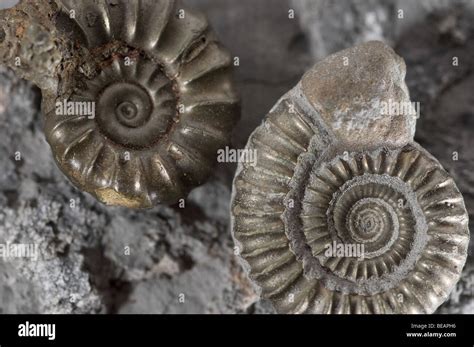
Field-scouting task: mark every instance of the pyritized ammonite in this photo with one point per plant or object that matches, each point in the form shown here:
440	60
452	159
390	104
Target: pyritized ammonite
343	212
140	120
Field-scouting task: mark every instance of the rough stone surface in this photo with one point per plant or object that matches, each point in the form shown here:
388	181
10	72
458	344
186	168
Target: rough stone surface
189	250
29	46
8	3
335	25
351	89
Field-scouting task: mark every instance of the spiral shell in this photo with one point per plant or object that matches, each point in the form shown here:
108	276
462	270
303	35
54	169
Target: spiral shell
163	99
335	217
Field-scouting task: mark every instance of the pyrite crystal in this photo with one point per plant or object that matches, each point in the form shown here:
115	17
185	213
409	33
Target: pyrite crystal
137	95
344	212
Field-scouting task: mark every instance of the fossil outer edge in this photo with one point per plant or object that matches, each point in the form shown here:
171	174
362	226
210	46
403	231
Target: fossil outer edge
310	189
164	101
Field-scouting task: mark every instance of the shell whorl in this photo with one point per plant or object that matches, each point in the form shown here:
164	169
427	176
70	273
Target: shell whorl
163	95
391	216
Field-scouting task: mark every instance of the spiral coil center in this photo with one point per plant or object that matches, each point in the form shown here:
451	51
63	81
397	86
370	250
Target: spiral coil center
126	111
368	219
361	217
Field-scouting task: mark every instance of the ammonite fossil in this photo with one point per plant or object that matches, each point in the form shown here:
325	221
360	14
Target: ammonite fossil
343	212
144	99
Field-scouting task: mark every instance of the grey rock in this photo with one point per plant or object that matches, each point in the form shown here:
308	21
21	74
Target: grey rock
335	25
54	276
28	43
188	292
461	299
351	88
8	3
190	245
